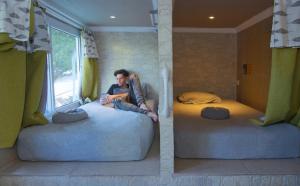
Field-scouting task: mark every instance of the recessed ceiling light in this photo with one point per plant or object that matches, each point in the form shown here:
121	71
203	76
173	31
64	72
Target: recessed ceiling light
211	17
112	17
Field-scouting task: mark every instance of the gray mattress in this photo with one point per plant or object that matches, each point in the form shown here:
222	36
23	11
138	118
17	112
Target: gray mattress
235	138
108	135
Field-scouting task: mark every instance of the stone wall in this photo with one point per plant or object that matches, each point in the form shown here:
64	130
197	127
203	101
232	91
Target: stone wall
136	52
205	62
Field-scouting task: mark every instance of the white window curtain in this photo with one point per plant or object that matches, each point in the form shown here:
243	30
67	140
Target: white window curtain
14	18
89	53
286	24
89	44
40	41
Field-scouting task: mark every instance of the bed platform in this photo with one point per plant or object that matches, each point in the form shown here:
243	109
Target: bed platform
234	138
107	135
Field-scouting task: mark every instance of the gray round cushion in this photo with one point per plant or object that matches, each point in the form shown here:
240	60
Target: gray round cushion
217	113
70	116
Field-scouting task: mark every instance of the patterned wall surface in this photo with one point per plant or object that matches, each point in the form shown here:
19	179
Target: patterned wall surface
136	52
205	62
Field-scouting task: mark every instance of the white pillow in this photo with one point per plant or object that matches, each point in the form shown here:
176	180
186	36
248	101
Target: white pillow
198	98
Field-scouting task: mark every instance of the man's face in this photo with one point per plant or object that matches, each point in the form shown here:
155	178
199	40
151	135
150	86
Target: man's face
121	79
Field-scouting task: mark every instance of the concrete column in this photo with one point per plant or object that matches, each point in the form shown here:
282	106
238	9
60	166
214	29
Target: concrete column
166	89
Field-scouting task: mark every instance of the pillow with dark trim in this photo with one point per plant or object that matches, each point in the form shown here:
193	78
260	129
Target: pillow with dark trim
69	116
216	113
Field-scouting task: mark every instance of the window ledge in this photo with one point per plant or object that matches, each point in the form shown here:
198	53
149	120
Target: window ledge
69	106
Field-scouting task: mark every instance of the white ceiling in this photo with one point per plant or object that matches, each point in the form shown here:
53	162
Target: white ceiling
136	13
228	13
97	12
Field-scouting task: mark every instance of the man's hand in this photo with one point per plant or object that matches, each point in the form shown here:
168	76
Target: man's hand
110	98
143	106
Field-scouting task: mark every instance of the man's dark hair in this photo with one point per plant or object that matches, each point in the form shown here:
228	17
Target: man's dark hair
121	71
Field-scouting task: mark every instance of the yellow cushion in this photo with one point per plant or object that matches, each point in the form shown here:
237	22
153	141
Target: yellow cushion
198	98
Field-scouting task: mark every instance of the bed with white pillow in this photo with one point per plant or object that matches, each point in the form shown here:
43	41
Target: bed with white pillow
107	135
234	138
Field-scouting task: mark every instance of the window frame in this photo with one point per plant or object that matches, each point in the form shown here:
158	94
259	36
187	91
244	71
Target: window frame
50	106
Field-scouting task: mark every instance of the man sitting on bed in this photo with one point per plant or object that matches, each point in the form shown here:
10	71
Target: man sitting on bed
127	96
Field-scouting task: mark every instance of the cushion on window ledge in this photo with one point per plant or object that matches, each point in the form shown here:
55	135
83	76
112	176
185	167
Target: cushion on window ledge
69	116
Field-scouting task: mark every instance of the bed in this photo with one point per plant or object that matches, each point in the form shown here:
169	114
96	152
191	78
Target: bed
234	138
107	135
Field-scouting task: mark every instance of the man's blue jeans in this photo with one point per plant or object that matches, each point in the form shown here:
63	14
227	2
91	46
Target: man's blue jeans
136	97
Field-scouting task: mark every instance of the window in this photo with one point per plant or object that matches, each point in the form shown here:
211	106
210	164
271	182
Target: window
65	65
63	69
